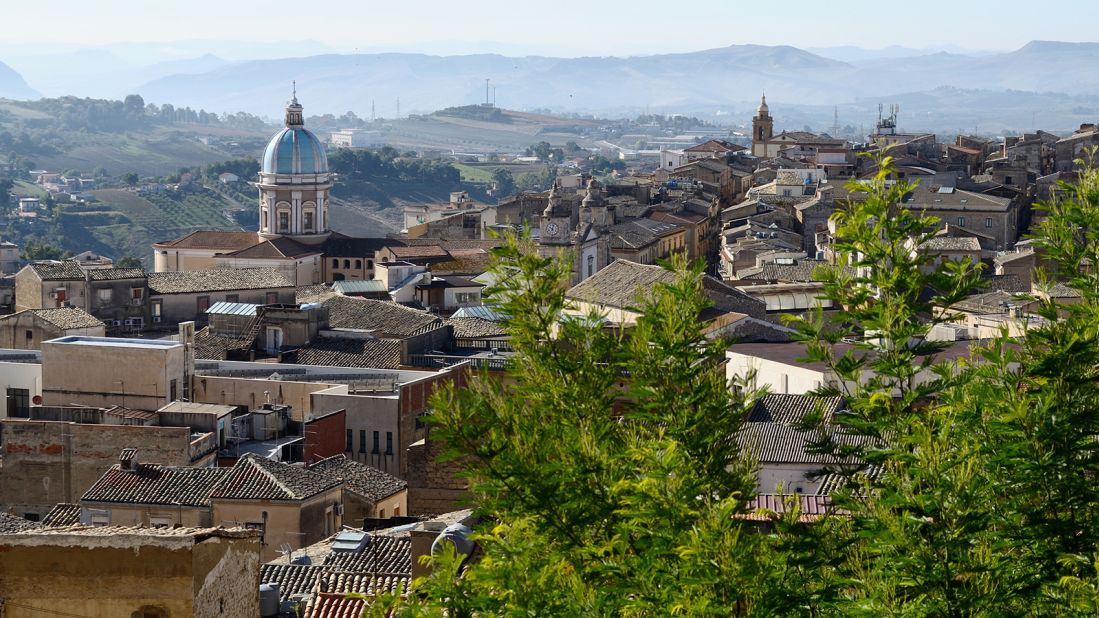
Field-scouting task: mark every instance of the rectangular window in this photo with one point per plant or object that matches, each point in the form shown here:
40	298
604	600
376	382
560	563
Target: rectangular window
988	221
203	303
362	440
376	450
232	298
156	308
284	222
172	390
104	295
19	402
389	443
137	293
307	220
29	334
272	298
961	221
350	442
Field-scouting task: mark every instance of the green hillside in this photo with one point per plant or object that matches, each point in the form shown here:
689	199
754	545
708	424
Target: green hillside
124	222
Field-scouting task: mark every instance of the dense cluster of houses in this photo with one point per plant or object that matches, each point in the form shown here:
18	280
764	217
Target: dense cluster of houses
259	398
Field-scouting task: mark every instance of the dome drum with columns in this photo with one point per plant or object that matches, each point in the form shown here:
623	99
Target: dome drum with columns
294	183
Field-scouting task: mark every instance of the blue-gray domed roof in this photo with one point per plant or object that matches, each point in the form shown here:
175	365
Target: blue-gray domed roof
295	150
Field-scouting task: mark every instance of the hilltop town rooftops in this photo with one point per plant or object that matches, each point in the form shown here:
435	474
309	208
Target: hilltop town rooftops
218	279
57	271
383	318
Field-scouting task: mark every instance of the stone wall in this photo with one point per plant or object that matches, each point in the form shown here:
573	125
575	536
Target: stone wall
47	462
433	487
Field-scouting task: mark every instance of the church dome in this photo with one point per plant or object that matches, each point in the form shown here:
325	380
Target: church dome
295	150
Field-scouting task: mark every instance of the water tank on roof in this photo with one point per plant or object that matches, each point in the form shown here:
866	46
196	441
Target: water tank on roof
268	600
456	534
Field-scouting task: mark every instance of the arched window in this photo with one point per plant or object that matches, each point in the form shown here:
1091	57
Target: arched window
358	263
347	263
335	263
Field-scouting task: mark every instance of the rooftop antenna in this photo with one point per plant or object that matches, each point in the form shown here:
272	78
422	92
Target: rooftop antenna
294	97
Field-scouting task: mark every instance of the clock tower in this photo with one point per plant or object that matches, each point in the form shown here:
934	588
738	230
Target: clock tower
556	223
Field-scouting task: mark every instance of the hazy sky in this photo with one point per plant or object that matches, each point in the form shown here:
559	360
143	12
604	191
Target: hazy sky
557	28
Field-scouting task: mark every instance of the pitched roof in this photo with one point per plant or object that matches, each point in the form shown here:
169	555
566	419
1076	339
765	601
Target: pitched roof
951	243
344	246
622	282
63	514
792	409
292	579
12	524
334	605
385	554
341	582
418	252
213	239
384	318
57	271
638	233
155	484
209	346
216	280
472	327
114	274
800	271
275	249
338	351
62	317
256	478
780	443
367	481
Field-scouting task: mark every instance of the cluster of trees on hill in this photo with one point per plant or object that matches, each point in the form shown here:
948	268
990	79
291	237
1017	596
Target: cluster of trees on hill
105	115
609	483
359	167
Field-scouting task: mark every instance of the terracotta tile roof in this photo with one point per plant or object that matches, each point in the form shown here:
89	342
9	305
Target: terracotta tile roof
11	524
384	554
344	246
213	239
61	317
57	271
292	578
209	346
349	352
951	243
314	293
256	478
275	249
367	481
419	252
63	514
340	582
384	318
334	605
114	274
155	484
472	328
216	280
622	282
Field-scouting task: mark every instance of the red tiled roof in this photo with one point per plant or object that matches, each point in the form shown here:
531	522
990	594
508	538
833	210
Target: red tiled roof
765	507
213	239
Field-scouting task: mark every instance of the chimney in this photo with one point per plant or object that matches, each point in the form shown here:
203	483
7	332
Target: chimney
127	460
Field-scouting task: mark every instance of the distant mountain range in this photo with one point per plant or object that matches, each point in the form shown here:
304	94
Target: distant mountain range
723	81
13	86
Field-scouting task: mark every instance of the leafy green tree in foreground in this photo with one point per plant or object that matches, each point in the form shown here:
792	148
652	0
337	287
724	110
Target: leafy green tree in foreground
610	487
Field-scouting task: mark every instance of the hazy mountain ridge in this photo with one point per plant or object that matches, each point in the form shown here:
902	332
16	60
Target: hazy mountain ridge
710	78
13	86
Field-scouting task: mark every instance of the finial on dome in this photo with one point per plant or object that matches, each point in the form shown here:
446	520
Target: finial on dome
294	115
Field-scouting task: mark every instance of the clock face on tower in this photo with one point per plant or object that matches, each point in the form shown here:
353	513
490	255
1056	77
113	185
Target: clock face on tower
551	229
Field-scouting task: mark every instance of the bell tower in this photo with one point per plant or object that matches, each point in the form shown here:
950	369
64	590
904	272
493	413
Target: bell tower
763	126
